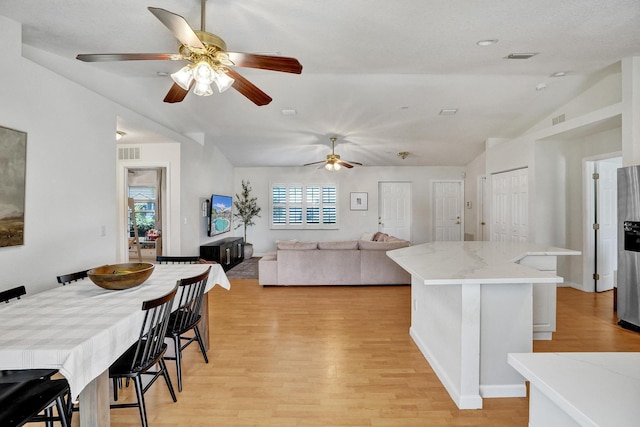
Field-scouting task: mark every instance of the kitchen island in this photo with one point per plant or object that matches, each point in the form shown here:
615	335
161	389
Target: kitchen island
472	303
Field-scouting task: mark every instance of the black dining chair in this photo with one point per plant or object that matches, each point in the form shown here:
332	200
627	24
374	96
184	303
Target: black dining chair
161	259
22	402
65	279
145	354
186	318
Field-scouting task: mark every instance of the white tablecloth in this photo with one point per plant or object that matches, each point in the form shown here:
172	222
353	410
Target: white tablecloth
81	329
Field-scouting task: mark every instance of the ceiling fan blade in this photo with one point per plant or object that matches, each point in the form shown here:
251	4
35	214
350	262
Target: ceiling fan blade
266	62
248	89
314	163
178	27
345	164
106	57
355	163
176	94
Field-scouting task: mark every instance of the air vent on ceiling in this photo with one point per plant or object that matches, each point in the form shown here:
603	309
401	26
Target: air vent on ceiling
558	119
129	153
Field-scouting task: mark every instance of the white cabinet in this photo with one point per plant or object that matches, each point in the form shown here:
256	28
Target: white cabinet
544	297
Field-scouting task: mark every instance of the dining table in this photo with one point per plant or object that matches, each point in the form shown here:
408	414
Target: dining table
80	329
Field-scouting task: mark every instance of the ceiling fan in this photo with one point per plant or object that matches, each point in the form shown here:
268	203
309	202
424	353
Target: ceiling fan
333	161
209	61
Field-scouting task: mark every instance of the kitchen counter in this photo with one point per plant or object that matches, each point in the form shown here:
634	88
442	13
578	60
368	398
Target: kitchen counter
472	303
581	389
440	263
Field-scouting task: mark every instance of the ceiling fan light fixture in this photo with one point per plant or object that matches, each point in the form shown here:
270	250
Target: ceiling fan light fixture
332	166
223	81
203	73
202	89
184	77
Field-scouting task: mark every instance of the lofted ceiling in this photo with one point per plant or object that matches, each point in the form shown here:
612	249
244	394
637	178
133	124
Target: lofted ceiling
376	73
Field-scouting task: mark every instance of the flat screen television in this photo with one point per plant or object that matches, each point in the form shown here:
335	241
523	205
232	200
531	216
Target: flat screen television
220	215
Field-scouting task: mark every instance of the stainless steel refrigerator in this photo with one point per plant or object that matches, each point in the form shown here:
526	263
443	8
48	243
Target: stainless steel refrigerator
629	247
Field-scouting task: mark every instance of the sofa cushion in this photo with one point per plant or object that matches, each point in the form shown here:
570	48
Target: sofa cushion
382	246
303	246
341	245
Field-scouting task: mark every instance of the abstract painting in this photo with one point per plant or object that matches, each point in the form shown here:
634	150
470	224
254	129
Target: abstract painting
13	166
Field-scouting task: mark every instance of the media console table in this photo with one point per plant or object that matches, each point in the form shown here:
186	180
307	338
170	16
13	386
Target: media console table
227	252
471	305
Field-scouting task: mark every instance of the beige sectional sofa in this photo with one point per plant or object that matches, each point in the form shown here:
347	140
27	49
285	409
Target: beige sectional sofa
349	262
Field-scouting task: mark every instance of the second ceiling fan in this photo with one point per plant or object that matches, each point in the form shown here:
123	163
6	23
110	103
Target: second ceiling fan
333	161
209	61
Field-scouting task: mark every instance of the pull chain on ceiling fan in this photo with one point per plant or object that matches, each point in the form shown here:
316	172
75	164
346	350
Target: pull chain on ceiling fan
209	61
333	161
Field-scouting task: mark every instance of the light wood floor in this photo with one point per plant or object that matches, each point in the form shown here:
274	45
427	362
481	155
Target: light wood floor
341	356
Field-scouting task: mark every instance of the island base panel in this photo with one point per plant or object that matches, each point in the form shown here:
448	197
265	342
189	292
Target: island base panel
466	331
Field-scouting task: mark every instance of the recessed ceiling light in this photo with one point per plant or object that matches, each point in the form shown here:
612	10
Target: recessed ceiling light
162	74
448	111
559	74
521	55
488	42
289	112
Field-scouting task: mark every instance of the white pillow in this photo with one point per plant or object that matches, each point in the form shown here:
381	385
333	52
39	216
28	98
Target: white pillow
367	236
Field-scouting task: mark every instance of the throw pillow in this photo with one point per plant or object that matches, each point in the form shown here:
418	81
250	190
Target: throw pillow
367	236
382	237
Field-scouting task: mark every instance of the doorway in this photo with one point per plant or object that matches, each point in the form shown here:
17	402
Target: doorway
447	210
394	209
145	189
600	239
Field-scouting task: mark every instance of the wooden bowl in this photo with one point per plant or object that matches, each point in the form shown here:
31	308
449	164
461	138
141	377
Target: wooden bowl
120	276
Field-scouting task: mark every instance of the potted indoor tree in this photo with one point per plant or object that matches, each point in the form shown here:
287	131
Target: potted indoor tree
246	208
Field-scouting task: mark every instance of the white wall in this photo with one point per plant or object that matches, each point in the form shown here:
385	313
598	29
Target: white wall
205	171
563	210
70	136
352	223
554	156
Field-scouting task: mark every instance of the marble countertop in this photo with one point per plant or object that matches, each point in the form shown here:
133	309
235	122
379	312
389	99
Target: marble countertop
439	263
595	389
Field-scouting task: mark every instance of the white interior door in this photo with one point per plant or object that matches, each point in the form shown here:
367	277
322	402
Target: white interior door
600	246
447	206
394	209
510	213
484	204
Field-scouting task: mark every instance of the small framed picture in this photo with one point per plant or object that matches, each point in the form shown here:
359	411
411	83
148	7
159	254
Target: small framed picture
359	201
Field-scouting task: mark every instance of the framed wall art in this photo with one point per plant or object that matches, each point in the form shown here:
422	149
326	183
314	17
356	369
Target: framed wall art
13	167
359	201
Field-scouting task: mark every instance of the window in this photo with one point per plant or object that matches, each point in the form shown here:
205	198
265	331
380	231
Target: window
311	206
144	199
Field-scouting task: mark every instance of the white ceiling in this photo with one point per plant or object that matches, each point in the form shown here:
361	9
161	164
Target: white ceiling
376	73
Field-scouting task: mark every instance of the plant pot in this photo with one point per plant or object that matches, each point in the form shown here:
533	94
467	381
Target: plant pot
248	250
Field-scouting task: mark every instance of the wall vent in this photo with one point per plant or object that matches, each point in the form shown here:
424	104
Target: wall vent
558	119
129	153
